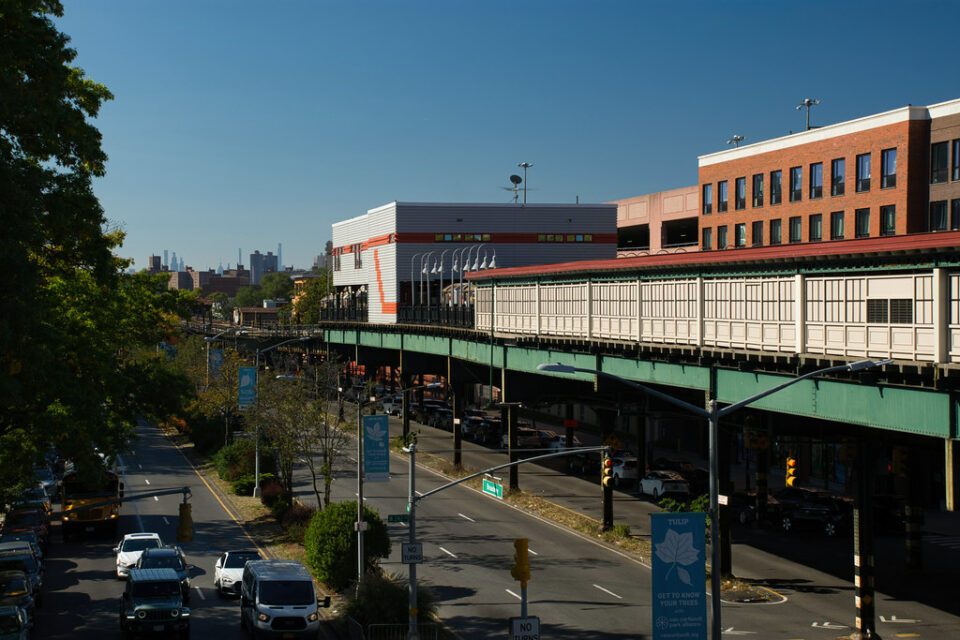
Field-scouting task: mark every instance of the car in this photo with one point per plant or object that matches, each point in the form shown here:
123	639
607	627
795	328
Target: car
527	438
27	520
131	547
228	571
490	431
34	497
470	427
584	462
661	484
46	478
152	603
815	510
392	405
556	442
14	623
26	536
677	465
15	591
20	559
626	468
168	558
441	418
278	597
743	506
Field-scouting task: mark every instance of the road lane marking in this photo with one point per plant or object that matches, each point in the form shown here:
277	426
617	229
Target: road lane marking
895	619
513	594
165	521
447	552
466	517
419	493
200	593
156	499
532	551
608	591
828	625
147	481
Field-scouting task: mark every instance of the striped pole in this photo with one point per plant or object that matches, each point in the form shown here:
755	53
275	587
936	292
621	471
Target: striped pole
863	562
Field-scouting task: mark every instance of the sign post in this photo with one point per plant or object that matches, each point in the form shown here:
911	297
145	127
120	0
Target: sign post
679	576
493	487
525	628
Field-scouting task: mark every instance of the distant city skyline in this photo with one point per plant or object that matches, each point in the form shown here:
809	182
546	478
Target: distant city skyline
247	124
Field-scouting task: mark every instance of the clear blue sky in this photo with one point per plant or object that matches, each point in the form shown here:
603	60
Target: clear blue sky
245	124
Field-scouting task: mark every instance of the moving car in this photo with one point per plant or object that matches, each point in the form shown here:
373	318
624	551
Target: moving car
14	623
277	598
228	571
168	558
815	510
527	438
130	549
152	604
661	484
626	468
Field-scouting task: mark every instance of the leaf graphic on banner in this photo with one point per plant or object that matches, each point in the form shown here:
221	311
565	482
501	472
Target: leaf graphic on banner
376	433
684	576
677	549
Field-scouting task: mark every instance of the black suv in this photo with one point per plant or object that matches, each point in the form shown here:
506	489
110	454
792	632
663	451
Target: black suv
152	604
168	558
812	510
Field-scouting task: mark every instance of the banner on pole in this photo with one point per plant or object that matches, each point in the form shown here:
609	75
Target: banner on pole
376	449
679	576
247	387
216	361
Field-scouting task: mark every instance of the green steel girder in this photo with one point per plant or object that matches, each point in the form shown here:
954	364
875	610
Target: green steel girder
918	411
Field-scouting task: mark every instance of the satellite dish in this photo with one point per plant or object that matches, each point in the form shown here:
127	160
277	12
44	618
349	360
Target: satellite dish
515	179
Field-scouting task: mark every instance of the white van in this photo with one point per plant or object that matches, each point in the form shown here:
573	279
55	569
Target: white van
277	600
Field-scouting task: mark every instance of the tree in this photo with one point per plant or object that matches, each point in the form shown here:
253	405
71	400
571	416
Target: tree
248	297
274	286
307	307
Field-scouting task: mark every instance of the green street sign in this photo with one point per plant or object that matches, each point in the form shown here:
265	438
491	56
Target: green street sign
492	488
398	517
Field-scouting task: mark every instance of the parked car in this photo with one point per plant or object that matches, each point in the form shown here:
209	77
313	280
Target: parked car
491	431
584	463
470	427
392	405
34	497
15	591
47	479
15	623
664	484
19	559
228	571
557	442
527	438
130	549
626	468
441	418
152	603
168	558
25	536
29	519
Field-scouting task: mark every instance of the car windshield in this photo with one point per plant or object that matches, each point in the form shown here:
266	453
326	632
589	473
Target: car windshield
9	623
24	519
165	589
34	494
23	563
139	544
13	587
286	592
161	562
44	475
238	560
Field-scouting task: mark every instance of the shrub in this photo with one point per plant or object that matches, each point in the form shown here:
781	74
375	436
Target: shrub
384	599
270	489
296	519
243	486
280	506
331	543
236	459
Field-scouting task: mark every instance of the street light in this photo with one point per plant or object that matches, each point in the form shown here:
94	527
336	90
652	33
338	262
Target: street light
360	525
713	414
256	455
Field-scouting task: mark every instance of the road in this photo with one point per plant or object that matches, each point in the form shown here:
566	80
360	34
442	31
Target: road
581	589
82	592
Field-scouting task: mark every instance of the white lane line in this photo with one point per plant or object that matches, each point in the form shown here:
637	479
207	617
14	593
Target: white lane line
147	481
139	466
532	551
156	499
466	517
200	593
513	594
165	521
447	552
608	591
419	493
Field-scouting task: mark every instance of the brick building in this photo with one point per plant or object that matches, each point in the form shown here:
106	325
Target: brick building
868	177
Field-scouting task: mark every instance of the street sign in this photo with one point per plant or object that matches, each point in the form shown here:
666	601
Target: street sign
247	387
525	628
722	499
376	449
398	517
679	576
411	552
493	488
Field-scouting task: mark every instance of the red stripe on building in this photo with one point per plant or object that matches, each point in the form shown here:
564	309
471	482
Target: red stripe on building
385	307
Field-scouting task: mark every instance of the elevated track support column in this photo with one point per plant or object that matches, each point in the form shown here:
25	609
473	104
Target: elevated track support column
951	474
863	544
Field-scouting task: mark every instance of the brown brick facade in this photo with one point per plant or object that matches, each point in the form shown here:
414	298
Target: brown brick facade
947	129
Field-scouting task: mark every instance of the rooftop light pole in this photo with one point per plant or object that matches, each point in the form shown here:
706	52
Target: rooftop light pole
808	103
712	414
735	140
524	166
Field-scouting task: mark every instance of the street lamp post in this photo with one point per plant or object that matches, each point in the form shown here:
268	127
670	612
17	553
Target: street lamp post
360	524
713	414
256	455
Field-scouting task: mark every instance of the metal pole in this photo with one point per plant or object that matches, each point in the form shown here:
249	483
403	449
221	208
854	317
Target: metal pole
360	522
206	384
256	449
412	632
714	422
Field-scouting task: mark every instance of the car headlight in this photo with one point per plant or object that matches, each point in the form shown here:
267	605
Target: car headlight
262	617
313	617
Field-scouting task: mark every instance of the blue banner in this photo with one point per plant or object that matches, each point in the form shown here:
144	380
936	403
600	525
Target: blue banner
376	449
247	387
216	361
679	576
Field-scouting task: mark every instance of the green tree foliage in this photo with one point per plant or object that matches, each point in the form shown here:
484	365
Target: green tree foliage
384	599
306	309
276	285
248	297
331	543
70	320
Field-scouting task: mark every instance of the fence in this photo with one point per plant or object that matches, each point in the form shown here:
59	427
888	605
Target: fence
389	631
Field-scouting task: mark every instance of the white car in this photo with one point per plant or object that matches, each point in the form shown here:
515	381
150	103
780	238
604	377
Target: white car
660	483
228	571
131	548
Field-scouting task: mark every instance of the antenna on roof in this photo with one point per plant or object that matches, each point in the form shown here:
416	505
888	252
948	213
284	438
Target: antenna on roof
735	140
808	103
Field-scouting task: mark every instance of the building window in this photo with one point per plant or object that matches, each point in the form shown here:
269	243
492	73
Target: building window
863	223
838	173
722	196
816	180
955	215
795	229
722	237
796	183
740	234
938	162
357	256
707	239
956	160
776	235
863	172
336	260
938	216
776	187
816	227
707	199
890	311
757	240
758	190
836	225
888	220
888	168
740	194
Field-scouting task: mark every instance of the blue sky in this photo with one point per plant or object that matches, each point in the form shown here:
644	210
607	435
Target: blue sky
245	124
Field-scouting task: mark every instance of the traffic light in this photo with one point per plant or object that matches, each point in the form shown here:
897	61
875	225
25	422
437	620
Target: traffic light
606	472
185	526
791	471
521	561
